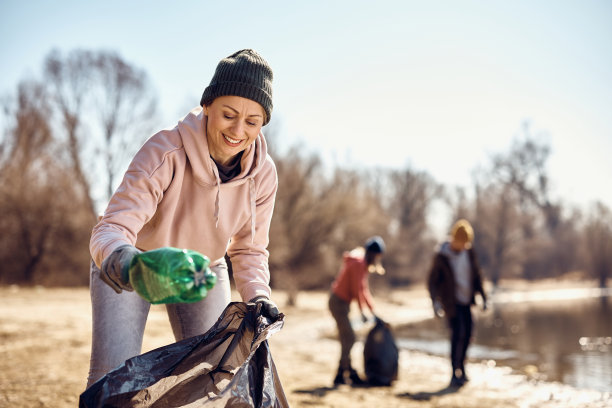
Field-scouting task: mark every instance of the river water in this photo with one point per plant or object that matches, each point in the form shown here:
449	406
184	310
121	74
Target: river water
567	339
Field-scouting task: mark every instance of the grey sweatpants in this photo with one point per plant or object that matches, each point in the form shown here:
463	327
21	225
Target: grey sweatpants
118	320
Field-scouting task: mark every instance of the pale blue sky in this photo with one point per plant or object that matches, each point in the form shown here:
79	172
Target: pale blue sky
437	85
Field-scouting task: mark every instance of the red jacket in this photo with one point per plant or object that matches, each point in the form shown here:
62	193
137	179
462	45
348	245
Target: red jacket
352	281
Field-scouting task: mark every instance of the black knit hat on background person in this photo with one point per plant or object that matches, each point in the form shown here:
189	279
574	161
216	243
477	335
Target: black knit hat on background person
375	245
244	73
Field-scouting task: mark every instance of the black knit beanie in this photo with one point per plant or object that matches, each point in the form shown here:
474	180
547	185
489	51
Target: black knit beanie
244	73
375	245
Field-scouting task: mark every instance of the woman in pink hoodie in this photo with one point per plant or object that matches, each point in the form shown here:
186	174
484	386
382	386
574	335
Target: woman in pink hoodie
207	184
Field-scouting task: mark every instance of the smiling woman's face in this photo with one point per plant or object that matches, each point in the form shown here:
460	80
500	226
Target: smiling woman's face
233	125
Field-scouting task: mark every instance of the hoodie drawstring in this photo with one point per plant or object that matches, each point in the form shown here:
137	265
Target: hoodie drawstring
216	214
253	207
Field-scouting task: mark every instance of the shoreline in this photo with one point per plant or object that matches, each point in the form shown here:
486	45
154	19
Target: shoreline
505	385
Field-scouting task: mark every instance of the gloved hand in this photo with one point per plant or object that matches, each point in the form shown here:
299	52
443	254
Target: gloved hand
115	268
268	307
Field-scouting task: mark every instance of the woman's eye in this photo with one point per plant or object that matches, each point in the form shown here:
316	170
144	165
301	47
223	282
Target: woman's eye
228	117
251	123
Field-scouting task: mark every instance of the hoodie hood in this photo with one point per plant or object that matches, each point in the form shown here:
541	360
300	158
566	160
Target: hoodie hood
192	129
445	249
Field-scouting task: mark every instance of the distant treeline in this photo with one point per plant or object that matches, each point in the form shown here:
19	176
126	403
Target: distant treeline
70	134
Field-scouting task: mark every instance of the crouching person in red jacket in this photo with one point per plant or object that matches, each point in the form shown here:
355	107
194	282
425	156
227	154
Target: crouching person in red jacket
352	283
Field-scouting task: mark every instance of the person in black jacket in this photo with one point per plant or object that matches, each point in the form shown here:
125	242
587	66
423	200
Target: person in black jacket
454	279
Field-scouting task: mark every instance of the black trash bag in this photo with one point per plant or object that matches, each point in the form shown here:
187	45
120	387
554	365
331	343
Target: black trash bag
380	355
228	366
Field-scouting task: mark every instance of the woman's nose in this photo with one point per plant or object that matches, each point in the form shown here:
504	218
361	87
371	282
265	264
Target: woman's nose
237	128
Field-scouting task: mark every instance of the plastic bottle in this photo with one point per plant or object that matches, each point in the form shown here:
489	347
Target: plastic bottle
171	275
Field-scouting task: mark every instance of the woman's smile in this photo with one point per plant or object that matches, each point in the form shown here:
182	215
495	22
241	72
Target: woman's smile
230	141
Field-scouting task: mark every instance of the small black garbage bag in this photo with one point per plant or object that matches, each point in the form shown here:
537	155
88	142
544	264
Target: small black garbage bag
380	355
228	366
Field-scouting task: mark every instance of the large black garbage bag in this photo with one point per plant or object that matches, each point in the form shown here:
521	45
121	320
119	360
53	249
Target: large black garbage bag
228	366
380	355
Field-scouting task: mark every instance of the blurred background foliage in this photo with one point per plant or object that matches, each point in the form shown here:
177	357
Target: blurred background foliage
72	132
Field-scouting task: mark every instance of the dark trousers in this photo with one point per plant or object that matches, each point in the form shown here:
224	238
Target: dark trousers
340	311
461	333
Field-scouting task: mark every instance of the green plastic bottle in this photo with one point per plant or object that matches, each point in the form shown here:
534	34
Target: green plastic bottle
171	275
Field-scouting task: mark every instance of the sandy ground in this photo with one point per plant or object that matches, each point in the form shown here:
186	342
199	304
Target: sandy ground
45	342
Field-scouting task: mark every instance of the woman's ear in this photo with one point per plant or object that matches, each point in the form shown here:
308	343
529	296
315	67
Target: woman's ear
205	109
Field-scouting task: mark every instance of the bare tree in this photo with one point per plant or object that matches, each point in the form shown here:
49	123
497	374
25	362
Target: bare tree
564	256
25	144
126	107
48	182
408	198
69	84
460	205
496	232
99	85
598	243
38	202
524	169
517	187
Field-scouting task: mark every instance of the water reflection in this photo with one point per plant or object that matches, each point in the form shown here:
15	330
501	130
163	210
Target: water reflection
568	341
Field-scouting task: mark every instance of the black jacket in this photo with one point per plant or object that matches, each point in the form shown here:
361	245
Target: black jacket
441	282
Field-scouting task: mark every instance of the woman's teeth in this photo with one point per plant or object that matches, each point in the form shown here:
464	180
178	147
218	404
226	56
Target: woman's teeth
232	141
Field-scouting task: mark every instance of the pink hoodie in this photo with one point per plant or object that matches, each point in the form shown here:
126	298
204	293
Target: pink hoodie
171	195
